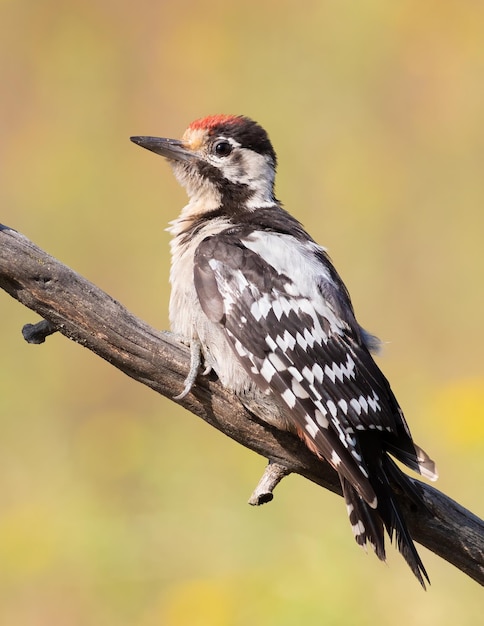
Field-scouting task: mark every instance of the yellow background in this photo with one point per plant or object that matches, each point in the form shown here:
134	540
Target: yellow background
118	508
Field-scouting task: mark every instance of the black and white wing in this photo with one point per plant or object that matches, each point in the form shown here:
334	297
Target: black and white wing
290	322
291	325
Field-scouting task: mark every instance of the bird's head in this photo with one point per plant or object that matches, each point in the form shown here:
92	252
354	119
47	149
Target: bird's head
223	160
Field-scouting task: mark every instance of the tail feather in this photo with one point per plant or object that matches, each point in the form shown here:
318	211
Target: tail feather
365	522
426	466
416	458
404	540
368	524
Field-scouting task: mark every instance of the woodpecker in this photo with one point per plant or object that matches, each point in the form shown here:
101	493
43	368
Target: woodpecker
261	304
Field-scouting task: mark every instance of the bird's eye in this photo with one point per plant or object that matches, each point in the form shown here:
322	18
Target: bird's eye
223	148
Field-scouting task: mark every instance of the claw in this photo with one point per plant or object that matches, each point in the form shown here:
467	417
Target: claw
195	361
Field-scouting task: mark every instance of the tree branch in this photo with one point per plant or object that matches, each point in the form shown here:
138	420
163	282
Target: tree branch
85	314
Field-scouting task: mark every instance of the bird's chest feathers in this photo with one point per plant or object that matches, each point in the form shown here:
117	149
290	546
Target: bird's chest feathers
184	304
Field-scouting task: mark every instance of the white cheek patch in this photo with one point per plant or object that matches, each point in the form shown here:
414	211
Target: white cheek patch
254	170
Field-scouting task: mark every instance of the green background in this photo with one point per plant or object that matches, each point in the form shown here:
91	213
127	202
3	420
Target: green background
119	508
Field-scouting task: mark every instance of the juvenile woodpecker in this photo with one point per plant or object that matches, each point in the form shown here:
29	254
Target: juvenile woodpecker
260	301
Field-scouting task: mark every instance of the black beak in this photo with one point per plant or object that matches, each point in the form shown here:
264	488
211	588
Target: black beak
168	148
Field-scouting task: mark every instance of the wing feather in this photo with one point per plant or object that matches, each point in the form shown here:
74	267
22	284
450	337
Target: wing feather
284	314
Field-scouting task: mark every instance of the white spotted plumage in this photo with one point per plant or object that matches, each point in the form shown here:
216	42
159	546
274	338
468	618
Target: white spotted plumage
286	365
275	322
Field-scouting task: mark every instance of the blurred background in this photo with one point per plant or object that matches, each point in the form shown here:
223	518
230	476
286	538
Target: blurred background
119	508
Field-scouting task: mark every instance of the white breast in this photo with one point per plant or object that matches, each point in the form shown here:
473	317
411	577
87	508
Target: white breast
186	316
184	306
